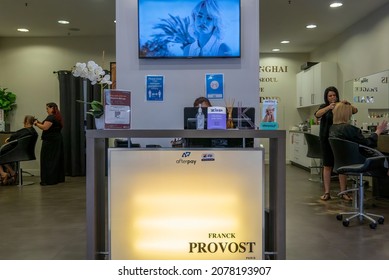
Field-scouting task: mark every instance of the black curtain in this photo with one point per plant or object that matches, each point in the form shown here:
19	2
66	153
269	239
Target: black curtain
71	89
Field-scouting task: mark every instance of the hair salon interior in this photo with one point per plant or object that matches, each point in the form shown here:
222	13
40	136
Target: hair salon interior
351	41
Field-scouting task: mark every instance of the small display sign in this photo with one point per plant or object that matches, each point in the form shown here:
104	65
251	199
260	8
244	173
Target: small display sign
154	88
214	86
117	109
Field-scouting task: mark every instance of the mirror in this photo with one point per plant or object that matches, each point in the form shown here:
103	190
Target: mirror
370	94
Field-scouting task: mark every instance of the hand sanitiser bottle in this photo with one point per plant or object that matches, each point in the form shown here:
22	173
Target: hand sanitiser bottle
200	118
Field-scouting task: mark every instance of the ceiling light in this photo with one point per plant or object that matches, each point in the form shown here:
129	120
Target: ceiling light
63	22
275	50
23	30
285	42
310	26
336	4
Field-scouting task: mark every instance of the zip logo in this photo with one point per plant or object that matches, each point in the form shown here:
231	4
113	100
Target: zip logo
208	157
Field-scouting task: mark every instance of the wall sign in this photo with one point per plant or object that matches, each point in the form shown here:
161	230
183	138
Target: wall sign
154	88
214	86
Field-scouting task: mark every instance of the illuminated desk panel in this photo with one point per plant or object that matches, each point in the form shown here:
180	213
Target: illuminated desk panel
186	204
97	203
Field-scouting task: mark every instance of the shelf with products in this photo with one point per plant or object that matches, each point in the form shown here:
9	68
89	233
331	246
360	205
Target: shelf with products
378	113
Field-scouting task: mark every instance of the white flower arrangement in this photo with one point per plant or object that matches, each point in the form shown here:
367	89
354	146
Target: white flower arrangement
94	73
91	71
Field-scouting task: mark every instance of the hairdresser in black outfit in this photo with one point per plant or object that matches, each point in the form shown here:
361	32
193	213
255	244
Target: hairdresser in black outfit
52	152
324	113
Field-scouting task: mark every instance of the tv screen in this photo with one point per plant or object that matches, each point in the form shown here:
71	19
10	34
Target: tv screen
189	28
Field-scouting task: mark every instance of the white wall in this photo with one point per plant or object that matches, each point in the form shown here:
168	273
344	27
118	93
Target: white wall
360	51
184	78
363	49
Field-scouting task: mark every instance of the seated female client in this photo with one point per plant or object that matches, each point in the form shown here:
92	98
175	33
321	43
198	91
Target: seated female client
341	128
7	173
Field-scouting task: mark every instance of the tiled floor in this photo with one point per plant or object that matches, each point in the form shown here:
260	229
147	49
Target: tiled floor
49	223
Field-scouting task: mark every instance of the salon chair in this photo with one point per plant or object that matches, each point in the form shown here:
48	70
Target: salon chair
350	159
314	152
22	149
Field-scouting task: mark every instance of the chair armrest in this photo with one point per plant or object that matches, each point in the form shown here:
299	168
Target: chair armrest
376	165
2	147
374	152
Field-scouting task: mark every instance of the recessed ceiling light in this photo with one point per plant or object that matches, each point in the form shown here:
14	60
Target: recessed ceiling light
285	42
23	30
336	4
63	22
310	26
275	50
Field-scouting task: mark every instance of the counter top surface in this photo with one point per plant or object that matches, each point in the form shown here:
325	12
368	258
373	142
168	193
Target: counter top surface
185	133
299	131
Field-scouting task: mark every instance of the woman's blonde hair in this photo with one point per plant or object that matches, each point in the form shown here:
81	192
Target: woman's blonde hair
342	113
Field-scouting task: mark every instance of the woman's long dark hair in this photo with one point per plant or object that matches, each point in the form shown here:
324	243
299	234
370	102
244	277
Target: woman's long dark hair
327	90
56	112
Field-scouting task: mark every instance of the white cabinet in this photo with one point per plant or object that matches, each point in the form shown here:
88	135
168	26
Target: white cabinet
299	149
304	88
311	83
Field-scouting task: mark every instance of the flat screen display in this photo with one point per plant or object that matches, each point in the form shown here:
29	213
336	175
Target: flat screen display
189	28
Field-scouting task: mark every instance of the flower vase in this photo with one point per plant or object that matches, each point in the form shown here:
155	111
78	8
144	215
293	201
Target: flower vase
100	122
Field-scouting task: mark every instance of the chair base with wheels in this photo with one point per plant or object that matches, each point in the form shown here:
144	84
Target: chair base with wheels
350	160
319	175
21	182
314	152
359	214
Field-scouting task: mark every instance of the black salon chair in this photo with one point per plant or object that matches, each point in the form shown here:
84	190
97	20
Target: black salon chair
357	160
314	152
22	149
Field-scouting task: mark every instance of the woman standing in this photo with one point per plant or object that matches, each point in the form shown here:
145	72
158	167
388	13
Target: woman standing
52	152
324	113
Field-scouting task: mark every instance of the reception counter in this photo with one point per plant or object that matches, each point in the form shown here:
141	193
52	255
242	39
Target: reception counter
97	203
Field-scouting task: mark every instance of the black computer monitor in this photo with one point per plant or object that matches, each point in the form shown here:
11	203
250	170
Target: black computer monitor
243	118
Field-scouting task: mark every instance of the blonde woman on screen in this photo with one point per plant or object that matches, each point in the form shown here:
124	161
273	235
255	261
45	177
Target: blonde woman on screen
206	23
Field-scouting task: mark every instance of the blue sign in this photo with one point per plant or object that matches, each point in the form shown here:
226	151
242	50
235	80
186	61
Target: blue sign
154	88
214	85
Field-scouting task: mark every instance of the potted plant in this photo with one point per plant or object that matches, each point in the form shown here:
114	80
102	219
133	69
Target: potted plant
97	108
7	101
94	73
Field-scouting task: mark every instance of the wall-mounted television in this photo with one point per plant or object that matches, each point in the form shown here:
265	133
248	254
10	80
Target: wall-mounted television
189	28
